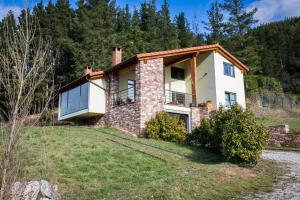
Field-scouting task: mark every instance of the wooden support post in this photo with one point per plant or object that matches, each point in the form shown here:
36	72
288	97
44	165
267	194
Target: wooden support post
194	79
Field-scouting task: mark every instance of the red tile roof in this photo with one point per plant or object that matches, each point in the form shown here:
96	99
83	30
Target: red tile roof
168	53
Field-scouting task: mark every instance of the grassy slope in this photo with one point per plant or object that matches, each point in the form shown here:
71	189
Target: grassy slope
105	163
293	122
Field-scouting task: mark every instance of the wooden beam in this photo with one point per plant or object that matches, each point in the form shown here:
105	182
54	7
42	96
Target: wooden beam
177	61
194	79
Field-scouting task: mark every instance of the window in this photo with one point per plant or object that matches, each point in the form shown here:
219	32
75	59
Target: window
74	100
131	91
228	69
177	73
230	99
178	98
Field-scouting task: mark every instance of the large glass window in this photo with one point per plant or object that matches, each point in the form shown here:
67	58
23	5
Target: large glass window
230	99
74	100
228	69
177	73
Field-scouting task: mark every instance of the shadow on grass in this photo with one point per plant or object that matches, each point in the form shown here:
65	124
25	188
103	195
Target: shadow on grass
198	154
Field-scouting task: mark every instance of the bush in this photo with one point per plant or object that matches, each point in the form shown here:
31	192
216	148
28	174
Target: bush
166	127
46	117
234	133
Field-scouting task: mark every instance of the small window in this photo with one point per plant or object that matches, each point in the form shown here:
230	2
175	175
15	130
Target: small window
177	73
228	69
230	99
131	91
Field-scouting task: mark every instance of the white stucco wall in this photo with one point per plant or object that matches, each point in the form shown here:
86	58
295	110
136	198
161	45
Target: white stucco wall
175	84
206	84
228	84
97	96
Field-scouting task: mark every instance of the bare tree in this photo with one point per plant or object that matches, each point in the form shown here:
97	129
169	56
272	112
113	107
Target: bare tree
26	61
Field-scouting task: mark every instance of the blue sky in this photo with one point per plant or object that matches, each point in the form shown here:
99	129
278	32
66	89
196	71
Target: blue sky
268	10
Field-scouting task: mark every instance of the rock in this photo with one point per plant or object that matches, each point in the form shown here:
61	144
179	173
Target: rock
34	189
31	190
17	189
48	191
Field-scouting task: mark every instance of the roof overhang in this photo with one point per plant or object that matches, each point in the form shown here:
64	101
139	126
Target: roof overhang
82	80
178	52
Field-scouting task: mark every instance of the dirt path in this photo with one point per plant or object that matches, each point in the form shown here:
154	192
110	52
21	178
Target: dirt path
284	190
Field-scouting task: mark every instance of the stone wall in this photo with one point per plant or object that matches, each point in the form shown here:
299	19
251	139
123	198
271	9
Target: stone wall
124	117
195	117
149	89
281	137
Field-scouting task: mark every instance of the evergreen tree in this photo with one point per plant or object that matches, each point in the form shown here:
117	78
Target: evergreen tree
168	34
184	33
215	24
238	41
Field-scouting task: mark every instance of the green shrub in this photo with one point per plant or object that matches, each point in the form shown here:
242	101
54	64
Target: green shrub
166	127
234	133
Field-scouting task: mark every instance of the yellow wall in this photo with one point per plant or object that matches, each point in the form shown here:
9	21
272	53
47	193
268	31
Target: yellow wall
124	76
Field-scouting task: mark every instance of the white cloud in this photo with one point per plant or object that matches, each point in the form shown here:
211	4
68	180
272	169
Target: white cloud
4	10
271	10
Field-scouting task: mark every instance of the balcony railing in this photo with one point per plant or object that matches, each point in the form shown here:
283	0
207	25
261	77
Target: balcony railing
178	98
124	97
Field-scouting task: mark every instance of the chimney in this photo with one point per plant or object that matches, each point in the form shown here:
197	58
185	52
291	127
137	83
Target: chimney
116	56
87	70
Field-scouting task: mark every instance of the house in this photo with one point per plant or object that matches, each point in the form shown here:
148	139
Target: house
180	82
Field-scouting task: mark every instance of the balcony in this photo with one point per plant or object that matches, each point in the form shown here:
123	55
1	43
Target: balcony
178	98
124	97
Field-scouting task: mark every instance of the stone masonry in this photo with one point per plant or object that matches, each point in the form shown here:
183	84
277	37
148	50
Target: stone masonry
124	117
281	137
150	89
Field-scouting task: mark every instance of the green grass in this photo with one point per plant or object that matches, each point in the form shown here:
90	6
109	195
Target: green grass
293	122
107	164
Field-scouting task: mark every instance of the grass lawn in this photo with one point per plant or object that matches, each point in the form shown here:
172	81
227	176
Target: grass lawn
293	122
104	163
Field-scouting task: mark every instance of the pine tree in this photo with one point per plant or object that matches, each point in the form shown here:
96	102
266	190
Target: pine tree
168	34
184	33
244	46
215	24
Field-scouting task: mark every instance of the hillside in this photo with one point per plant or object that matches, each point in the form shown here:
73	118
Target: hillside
107	164
279	52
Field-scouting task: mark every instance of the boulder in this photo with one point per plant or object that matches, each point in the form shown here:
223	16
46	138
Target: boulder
34	189
48	191
31	190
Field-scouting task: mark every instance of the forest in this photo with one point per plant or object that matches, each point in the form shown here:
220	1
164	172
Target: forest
84	36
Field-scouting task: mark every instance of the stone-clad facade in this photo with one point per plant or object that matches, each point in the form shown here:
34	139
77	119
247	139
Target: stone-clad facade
150	98
131	117
150	89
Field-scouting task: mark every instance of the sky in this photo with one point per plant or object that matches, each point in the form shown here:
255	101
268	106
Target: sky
195	10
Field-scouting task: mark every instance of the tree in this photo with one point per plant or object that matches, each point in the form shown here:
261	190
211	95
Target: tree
168	34
183	28
215	24
244	46
25	63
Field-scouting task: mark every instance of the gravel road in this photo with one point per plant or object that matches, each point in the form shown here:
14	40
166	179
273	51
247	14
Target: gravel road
284	191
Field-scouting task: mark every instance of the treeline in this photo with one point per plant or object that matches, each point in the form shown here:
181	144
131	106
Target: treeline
84	37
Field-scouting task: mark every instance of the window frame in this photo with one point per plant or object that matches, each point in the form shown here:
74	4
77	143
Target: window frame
133	84
177	74
78	108
230	99
231	69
